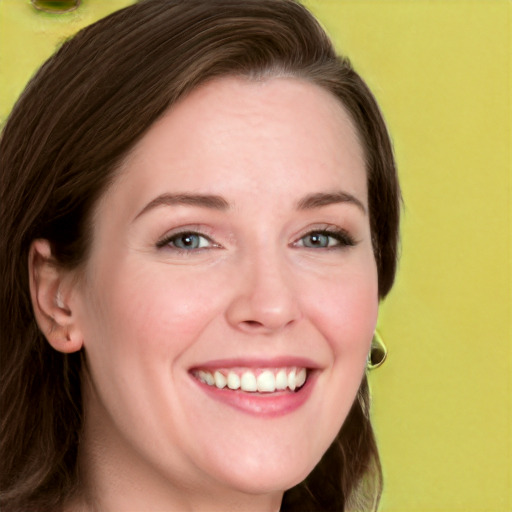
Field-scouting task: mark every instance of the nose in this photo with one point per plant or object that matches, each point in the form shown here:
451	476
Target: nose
264	299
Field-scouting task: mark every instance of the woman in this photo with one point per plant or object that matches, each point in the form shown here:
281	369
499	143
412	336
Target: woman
200	213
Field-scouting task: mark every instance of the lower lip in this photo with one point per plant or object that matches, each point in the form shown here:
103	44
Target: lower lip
261	404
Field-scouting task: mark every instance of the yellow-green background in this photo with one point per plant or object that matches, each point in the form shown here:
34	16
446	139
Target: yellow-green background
441	70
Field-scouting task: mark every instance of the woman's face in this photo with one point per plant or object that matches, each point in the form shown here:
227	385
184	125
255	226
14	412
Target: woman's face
232	250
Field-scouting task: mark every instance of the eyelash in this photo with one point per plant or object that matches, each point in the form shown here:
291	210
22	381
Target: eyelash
342	237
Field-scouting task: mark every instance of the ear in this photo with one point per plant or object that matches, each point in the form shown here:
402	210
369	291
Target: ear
50	289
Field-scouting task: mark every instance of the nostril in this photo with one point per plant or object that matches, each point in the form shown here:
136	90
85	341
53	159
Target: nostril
255	326
253	323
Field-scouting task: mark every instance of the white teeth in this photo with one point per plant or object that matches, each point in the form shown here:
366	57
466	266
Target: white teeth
266	381
292	384
248	382
301	377
220	380
281	380
233	380
206	377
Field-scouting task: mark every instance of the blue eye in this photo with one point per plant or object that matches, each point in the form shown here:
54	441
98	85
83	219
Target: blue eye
187	241
317	240
325	239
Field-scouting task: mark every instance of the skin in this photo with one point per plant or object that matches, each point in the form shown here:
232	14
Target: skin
147	314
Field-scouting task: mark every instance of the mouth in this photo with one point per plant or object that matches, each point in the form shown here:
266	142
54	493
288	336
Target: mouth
249	380
265	391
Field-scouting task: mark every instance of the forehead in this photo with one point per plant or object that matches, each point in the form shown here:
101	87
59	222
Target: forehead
235	132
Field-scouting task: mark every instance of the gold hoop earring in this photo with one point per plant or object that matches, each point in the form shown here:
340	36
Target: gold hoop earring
378	352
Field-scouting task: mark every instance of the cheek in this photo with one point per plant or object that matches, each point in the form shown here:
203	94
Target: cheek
153	312
346	311
137	331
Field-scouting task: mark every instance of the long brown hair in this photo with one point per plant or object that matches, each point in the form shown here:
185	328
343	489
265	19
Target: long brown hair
61	147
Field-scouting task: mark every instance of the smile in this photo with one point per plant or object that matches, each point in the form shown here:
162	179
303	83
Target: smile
263	388
262	380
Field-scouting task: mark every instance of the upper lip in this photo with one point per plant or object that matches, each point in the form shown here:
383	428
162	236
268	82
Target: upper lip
248	362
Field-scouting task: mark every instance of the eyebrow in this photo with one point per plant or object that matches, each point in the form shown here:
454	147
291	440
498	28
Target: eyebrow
320	199
205	201
214	202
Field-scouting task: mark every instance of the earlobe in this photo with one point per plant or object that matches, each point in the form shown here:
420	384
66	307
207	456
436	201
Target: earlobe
50	289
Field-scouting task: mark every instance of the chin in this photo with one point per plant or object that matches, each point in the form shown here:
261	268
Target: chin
265	475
